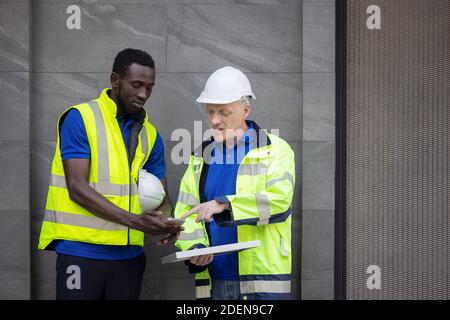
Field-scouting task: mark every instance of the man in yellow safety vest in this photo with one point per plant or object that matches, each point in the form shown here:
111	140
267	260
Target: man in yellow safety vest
93	219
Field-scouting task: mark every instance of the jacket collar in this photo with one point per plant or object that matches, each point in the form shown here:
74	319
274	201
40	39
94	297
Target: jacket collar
262	140
110	106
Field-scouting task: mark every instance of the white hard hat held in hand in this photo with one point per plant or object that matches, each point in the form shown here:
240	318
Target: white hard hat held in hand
150	191
226	85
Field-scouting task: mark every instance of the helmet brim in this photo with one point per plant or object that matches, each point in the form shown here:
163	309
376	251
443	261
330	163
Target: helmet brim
224	100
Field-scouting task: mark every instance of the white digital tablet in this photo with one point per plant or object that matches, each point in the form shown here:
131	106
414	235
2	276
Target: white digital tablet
227	248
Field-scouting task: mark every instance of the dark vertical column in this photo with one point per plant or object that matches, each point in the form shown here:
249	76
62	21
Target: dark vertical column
340	252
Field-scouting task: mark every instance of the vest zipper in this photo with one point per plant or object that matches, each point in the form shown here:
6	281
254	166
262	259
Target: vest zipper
129	193
129	210
131	154
129	187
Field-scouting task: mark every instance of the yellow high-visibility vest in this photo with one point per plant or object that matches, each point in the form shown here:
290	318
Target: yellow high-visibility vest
261	210
111	173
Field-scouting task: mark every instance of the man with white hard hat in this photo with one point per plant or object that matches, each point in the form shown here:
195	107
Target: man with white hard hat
238	187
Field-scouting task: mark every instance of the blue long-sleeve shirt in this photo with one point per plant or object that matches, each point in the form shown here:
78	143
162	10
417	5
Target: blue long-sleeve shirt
221	181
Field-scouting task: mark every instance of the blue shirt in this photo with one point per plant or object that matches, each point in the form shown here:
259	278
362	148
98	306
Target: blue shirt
221	181
75	145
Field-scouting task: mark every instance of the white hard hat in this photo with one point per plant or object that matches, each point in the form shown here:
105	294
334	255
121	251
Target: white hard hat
226	85
150	191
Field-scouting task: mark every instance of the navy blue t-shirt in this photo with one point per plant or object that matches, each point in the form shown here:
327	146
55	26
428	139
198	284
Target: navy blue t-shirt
221	181
75	145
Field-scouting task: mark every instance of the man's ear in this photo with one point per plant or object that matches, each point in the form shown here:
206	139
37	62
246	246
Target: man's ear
114	80
247	111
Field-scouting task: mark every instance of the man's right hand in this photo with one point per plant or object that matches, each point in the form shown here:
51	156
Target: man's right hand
202	260
155	223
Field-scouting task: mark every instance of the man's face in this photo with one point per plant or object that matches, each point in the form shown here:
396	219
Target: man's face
134	88
227	120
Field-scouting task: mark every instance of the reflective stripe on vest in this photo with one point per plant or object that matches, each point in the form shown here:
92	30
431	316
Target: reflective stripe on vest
82	221
197	234
144	142
103	156
265	286
188	199
202	292
103	170
104	188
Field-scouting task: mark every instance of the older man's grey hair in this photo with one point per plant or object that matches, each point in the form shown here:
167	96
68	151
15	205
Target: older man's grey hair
246	100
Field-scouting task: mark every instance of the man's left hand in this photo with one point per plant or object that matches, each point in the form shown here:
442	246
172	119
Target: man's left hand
167	238
206	210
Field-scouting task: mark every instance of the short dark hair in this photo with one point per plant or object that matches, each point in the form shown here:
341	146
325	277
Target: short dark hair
128	56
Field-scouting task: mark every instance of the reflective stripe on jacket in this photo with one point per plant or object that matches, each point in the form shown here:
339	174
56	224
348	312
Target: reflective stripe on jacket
261	209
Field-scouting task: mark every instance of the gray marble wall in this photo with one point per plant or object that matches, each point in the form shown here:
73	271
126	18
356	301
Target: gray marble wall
286	47
14	150
318	151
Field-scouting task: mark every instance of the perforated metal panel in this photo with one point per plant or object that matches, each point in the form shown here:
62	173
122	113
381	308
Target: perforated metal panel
398	149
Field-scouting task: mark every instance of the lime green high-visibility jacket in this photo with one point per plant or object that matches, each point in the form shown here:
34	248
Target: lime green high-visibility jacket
261	209
113	172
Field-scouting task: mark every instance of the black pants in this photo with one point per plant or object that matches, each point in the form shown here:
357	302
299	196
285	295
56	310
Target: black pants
89	279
